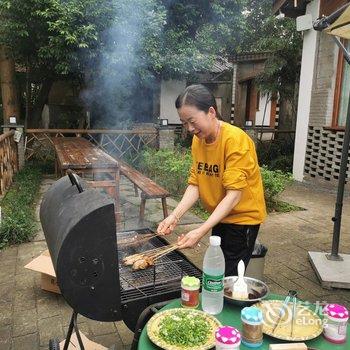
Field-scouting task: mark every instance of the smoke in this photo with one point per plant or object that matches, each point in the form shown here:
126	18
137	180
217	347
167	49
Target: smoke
120	85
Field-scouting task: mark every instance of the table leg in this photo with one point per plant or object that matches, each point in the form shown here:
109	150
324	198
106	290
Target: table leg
165	208
142	210
117	197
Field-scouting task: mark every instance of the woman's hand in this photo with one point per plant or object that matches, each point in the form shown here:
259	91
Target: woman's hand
168	225
190	240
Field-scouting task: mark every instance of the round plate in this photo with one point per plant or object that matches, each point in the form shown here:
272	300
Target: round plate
153	328
307	324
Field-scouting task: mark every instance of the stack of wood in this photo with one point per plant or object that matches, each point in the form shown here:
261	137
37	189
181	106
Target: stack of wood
8	160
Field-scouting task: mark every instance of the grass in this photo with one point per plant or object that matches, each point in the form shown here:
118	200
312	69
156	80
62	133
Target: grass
18	223
284	207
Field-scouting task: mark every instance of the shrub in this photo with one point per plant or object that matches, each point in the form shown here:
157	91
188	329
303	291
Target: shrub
275	182
276	154
171	168
18	212
168	168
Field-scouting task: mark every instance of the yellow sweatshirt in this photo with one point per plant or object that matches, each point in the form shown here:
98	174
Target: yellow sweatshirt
230	163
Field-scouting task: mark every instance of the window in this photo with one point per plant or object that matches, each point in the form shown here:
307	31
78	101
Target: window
342	92
329	6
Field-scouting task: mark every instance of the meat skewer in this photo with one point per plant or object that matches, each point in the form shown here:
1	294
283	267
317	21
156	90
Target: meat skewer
134	240
129	260
146	261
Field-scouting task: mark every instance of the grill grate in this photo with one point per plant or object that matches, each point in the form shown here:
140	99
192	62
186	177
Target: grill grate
164	277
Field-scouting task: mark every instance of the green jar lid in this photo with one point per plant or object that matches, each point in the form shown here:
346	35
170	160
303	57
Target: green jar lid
190	281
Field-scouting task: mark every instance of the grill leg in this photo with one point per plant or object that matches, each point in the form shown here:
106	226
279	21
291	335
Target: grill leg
73	324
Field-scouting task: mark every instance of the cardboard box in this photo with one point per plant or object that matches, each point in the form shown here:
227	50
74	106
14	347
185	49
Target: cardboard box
88	344
43	264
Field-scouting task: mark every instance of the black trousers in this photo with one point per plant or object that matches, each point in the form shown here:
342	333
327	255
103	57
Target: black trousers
237	243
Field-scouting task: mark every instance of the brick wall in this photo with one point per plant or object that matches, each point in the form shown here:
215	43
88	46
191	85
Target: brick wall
324	82
323	152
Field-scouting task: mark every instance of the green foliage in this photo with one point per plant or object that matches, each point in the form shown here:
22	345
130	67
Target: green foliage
263	32
276	154
53	36
18	213
196	33
168	168
275	182
171	169
152	36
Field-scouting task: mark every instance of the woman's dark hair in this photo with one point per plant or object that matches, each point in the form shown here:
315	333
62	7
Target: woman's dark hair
199	96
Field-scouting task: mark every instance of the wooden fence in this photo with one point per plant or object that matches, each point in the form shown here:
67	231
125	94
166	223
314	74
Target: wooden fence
8	160
120	143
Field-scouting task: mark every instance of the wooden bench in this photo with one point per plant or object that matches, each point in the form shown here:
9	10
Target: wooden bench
149	189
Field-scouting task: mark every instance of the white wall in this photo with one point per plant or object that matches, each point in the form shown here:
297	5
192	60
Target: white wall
169	90
304	102
259	118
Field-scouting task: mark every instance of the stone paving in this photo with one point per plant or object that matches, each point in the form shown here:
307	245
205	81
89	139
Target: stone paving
29	316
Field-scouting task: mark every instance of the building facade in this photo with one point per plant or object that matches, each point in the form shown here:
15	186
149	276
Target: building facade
323	97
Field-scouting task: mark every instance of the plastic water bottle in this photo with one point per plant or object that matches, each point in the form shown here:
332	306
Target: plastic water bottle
213	278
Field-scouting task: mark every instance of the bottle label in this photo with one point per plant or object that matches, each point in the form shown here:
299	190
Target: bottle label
213	283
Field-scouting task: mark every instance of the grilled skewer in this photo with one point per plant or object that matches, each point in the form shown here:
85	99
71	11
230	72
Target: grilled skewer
144	260
134	240
129	260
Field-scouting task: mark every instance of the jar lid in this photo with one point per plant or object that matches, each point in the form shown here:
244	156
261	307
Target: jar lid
336	311
228	335
190	281
252	314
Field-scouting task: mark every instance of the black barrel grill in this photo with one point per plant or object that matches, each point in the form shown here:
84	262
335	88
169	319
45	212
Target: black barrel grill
80	231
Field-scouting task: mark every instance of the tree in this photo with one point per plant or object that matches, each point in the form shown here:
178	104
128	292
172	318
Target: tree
8	85
53	38
152	39
282	69
116	49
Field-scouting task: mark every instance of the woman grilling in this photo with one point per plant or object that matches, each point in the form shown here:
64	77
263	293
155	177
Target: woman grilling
225	176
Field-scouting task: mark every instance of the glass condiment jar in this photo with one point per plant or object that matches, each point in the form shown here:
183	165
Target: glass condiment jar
335	323
227	338
190	291
252	325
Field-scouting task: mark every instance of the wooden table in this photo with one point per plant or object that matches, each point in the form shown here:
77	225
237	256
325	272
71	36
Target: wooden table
81	156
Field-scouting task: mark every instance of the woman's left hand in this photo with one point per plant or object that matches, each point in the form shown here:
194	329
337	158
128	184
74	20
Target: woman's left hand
190	239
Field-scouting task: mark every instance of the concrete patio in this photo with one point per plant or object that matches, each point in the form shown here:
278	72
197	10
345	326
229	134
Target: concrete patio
30	316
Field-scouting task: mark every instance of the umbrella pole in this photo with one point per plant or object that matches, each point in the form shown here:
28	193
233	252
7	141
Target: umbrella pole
342	176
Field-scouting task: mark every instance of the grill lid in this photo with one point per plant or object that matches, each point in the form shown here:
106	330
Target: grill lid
80	232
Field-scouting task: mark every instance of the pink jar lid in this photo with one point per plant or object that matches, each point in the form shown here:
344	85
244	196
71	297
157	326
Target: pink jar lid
336	311
228	335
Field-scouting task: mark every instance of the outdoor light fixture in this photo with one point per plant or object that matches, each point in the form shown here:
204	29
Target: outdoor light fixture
163	122
280	15
13	120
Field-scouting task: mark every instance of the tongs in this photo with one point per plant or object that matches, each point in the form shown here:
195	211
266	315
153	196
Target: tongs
292	295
